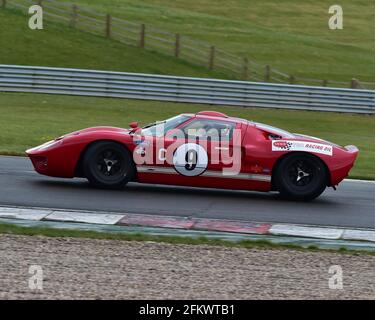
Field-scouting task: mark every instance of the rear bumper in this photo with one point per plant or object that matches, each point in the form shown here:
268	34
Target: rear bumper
352	149
344	163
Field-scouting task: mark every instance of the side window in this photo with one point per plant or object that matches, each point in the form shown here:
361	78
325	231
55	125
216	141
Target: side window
209	130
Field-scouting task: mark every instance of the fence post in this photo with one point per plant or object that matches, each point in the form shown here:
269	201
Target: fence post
211	58
108	26
292	79
245	69
177	47
3	4
354	83
74	18
267	76
325	83
142	36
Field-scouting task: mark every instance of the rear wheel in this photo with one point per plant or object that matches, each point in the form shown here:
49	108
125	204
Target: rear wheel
108	165
301	176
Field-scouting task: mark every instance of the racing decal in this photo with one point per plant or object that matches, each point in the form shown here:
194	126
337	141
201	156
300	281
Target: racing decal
284	145
190	159
289	145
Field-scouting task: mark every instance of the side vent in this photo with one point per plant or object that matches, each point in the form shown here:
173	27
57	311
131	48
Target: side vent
273	136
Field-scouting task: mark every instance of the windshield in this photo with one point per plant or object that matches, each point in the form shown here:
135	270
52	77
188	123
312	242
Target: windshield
160	128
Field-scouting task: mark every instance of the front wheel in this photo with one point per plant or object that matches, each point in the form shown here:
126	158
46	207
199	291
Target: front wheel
301	177
108	165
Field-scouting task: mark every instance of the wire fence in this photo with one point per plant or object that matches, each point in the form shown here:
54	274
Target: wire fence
173	44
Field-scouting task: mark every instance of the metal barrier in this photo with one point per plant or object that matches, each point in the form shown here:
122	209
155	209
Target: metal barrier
183	89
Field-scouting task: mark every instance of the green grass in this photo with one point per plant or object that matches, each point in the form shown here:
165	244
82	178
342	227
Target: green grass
61	46
29	119
8	228
290	35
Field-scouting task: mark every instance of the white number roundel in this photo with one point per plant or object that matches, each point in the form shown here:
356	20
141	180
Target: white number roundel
190	159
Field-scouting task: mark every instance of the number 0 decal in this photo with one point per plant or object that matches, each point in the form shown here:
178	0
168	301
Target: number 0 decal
190	159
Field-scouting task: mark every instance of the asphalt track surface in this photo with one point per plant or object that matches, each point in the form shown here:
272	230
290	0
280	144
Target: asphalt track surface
352	205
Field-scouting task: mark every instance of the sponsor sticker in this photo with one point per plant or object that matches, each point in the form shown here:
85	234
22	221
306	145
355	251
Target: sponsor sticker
288	145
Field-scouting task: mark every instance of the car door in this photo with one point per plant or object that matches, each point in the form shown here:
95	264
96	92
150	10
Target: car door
197	153
210	144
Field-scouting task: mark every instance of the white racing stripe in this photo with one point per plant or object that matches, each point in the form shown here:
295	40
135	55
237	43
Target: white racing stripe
359	181
242	176
207	173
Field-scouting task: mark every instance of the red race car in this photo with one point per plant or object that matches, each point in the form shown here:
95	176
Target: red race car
207	149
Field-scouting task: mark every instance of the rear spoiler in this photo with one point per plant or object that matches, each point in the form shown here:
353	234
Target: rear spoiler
352	149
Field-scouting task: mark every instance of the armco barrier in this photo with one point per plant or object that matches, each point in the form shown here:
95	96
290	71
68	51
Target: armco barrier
183	89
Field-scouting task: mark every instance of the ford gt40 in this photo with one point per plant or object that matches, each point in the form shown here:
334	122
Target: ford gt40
207	149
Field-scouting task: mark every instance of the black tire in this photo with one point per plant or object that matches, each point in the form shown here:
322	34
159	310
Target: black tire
301	176
108	165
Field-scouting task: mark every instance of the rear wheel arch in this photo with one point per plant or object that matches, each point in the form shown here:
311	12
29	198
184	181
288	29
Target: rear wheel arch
274	169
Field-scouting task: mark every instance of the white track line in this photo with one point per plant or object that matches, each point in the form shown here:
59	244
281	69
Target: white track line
306	231
84	217
359	181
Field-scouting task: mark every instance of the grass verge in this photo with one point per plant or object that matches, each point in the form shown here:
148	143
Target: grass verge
28	120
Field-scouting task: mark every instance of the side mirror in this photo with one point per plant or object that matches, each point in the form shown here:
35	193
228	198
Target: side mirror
133	125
